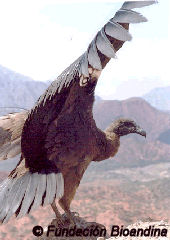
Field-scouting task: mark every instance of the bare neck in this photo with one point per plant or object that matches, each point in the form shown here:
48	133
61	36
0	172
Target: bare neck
113	142
109	146
111	135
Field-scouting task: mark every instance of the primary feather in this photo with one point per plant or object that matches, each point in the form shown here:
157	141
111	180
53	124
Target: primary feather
137	4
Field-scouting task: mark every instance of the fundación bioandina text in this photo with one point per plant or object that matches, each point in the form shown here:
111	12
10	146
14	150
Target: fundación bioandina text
116	231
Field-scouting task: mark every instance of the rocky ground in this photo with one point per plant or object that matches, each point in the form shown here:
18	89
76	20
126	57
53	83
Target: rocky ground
108	202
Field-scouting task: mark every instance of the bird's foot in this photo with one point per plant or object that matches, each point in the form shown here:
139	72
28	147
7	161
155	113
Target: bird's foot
71	217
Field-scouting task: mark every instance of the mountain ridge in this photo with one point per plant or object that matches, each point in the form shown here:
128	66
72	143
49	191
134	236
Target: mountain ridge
18	91
159	98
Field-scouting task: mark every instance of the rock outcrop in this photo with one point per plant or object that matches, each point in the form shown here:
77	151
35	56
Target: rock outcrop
81	230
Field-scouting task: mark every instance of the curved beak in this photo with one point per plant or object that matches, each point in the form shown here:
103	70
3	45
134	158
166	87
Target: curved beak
140	131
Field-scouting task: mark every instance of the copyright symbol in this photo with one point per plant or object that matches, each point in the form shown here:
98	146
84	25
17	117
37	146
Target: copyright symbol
37	231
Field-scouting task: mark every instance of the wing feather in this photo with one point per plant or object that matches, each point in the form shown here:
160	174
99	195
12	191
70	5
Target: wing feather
11	127
41	186
115	30
137	4
93	57
18	194
104	45
128	16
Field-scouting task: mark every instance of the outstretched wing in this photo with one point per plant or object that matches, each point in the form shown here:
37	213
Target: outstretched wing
74	88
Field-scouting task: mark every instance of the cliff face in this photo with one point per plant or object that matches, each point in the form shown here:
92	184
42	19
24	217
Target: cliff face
151	119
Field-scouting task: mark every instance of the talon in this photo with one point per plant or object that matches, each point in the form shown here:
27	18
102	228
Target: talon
75	214
70	216
71	221
60	223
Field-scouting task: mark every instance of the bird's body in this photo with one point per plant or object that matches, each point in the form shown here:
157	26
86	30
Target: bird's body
76	133
59	137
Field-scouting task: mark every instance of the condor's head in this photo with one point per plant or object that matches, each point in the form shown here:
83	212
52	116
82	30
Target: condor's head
123	127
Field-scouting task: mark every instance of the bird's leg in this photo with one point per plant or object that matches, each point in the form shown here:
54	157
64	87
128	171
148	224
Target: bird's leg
71	182
65	204
57	213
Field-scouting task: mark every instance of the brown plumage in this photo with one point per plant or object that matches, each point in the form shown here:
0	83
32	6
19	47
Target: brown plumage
59	137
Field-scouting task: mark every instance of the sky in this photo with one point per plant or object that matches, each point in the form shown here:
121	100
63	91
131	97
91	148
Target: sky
40	38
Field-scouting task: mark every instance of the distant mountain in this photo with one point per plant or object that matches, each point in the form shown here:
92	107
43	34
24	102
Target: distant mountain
159	98
97	98
17	90
7	74
135	151
165	136
151	119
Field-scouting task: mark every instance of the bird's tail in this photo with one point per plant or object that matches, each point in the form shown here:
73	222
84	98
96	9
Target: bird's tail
21	194
11	127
